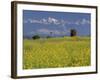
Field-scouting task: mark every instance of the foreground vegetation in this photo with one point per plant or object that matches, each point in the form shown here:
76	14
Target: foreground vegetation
56	52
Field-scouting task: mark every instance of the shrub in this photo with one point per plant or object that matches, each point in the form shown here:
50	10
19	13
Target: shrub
36	37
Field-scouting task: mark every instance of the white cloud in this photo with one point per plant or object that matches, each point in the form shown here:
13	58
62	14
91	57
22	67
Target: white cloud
35	21
77	22
57	32
44	21
84	21
47	31
54	21
48	20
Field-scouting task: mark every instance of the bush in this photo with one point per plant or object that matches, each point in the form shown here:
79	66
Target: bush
36	37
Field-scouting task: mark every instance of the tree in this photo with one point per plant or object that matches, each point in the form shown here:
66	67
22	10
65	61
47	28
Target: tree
36	37
73	32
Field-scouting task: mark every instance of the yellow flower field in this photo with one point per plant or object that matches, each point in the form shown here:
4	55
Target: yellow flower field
56	52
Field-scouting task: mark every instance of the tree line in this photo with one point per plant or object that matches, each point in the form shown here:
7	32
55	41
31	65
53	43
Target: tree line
73	32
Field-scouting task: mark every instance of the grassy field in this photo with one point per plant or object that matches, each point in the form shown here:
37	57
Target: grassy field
56	52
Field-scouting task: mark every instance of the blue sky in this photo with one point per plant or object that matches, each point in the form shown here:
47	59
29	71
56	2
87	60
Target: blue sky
59	23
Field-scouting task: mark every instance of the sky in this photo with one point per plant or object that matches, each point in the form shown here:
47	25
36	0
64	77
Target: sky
59	23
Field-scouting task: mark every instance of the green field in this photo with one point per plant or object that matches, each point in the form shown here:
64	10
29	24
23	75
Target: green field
56	52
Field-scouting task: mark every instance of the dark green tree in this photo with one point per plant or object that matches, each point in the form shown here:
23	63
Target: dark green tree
73	32
36	37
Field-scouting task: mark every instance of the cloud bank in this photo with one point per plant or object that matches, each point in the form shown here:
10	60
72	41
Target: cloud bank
47	31
54	21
